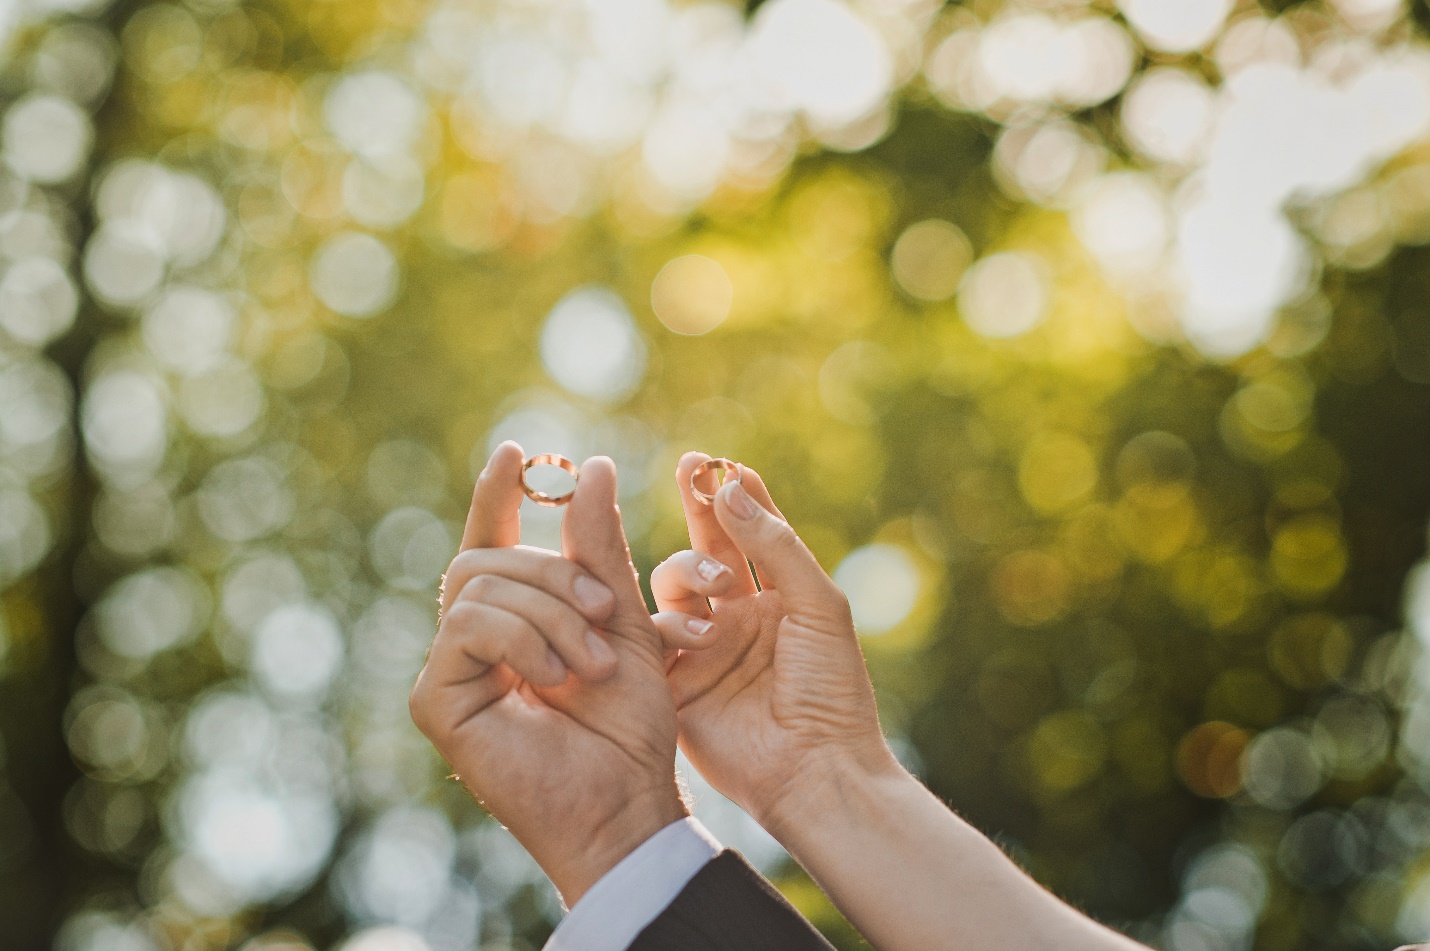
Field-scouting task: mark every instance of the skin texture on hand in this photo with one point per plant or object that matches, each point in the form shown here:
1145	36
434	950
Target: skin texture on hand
782	694
565	735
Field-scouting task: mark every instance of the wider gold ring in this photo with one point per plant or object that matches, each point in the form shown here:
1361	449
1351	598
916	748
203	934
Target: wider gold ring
548	459
713	465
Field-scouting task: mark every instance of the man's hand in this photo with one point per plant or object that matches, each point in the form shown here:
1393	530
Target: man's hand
580	768
781	701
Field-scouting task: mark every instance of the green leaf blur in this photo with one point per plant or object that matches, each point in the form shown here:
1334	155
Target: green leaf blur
1137	561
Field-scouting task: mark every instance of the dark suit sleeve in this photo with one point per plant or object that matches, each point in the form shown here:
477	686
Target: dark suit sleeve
728	906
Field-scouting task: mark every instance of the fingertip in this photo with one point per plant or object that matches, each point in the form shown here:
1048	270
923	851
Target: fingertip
715	576
505	458
684	631
597	477
701	631
596	600
750	478
688	463
508	449
734	500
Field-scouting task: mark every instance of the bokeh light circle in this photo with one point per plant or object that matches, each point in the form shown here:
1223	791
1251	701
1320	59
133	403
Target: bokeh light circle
355	274
882	584
590	345
38	301
929	259
692	294
1004	295
1176	26
46	138
821	58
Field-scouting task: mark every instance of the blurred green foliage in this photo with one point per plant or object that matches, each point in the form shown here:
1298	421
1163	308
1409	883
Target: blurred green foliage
1148	581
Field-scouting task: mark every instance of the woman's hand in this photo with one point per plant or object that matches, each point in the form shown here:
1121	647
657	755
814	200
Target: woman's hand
545	686
780	701
779	715
777	712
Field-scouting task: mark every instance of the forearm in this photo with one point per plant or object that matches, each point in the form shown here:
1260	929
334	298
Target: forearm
909	874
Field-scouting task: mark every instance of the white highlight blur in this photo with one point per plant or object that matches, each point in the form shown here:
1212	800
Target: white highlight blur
38	301
1004	295
590	345
46	138
124	420
374	114
1176	26
556	87
297	651
820	59
1123	221
1166	115
354	274
385	938
882	583
1274	134
257	840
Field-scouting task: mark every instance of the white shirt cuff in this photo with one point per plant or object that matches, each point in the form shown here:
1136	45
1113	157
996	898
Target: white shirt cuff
630	896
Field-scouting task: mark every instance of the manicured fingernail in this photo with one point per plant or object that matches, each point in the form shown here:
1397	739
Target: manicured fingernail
601	652
554	662
740	502
709	569
698	627
591	593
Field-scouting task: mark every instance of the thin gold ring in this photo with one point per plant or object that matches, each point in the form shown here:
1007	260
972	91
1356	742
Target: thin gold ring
714	465
548	459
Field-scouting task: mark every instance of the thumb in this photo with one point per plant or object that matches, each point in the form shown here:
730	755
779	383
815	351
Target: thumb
781	558
593	537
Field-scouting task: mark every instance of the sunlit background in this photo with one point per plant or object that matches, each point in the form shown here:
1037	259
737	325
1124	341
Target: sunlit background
1088	345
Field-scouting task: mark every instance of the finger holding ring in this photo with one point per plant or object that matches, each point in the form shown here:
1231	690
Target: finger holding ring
722	465
548	459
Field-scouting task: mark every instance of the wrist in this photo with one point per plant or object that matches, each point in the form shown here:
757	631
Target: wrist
573	870
830	790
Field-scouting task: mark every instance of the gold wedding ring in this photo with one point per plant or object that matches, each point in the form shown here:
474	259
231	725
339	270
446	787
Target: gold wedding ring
548	459
713	465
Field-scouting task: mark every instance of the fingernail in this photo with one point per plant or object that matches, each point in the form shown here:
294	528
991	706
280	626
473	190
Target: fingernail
601	652
709	569
554	663
591	593
740	502
698	627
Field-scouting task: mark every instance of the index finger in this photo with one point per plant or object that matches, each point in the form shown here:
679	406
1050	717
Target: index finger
494	520
706	533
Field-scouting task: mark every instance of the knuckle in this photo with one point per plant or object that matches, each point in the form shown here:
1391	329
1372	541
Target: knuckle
514	636
524	644
666	569
488	644
481	587
566	572
461	615
465	563
779	535
839	607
